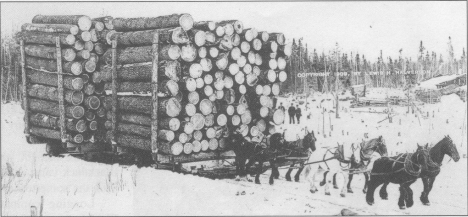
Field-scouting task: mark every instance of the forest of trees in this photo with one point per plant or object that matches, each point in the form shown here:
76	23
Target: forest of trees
305	60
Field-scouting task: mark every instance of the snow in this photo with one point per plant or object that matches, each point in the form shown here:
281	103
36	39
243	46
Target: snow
71	186
431	83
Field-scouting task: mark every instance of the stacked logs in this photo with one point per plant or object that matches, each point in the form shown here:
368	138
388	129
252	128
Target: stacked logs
82	44
214	78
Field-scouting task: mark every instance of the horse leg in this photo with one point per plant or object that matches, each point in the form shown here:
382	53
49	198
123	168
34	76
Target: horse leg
298	173
372	185
322	183
344	187
313	188
247	168
273	169
423	197
409	196
335	186
383	191
288	174
350	179
431	182
401	200
259	171
327	187
366	182
276	172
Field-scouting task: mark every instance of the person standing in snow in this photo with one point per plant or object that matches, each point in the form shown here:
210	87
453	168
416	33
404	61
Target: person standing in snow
291	112
298	114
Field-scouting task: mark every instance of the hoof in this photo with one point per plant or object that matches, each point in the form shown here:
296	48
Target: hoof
322	183
350	190
276	177
402	207
427	204
288	179
343	195
327	193
243	193
312	191
296	180
384	198
370	203
364	191
257	182
335	186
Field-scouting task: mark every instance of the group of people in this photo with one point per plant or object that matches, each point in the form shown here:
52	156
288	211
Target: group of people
294	112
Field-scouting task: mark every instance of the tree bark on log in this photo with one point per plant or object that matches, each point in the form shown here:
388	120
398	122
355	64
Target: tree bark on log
50	28
48	121
69	82
46	52
140	38
134	129
51	65
142	104
133	141
51	93
52	108
82	21
45	133
144	23
205	25
45	38
107	20
130	55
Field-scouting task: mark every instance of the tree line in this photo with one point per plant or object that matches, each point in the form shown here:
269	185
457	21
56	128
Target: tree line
336	60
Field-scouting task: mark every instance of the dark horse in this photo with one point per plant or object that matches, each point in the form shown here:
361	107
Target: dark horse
434	162
403	169
255	152
368	148
303	147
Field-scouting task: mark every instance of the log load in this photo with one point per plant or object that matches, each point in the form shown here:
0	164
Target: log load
140	38
52	108
46	133
144	23
51	93
82	21
133	129
167	87
50	28
45	38
51	65
48	121
47	52
142	104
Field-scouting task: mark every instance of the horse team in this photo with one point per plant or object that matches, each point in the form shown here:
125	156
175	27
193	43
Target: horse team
368	158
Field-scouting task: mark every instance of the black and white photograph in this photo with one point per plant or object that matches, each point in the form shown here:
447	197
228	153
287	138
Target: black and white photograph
248	108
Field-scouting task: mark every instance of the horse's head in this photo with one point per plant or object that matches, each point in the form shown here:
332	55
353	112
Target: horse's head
276	140
450	149
380	147
421	157
235	140
309	140
356	153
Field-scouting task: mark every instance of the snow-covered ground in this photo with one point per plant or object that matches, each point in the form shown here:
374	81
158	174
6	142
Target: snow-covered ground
71	186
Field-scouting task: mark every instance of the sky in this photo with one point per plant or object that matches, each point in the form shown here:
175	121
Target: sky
364	27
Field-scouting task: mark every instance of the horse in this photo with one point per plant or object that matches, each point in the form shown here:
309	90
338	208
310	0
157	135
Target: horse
434	162
308	142
319	162
243	151
368	149
403	169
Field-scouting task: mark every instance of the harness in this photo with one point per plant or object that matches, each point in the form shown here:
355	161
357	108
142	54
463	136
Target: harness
408	166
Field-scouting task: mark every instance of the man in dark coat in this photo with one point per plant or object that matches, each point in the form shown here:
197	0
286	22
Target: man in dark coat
298	114
292	112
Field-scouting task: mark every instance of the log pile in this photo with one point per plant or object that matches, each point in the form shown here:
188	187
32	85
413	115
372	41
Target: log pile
214	78
82	44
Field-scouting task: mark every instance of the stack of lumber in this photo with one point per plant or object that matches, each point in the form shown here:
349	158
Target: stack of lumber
82	43
214	78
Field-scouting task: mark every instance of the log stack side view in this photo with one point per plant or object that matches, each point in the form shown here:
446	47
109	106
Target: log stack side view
213	78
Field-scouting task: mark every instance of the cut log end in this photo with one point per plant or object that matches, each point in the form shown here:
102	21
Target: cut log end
84	23
77	112
186	22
